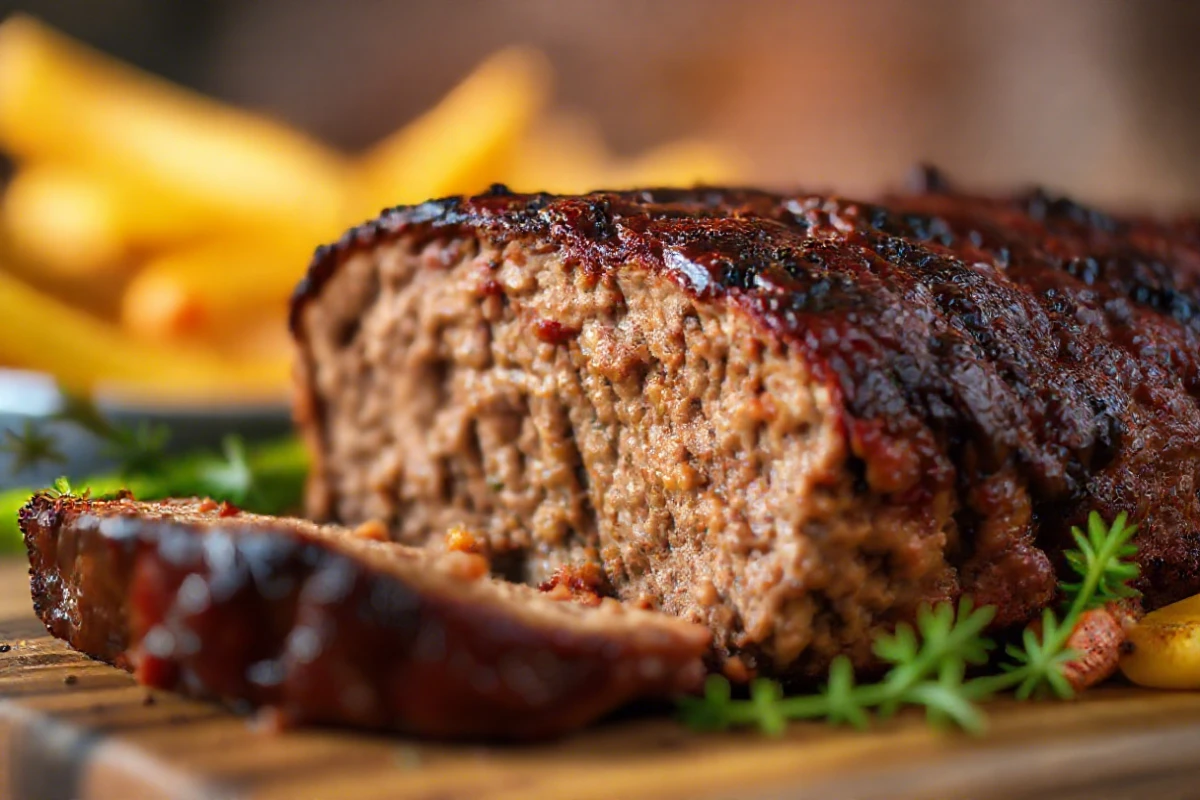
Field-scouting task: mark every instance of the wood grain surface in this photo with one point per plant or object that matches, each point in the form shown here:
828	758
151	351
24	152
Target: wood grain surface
71	728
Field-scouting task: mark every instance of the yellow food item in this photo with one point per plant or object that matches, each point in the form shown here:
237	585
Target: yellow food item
566	155
213	288
75	224
63	221
85	353
98	295
63	102
1165	647
562	153
687	162
151	237
461	144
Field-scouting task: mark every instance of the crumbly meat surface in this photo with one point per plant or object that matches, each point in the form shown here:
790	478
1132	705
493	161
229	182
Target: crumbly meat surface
793	418
325	624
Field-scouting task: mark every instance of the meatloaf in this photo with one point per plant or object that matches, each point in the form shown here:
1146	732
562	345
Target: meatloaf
319	624
790	417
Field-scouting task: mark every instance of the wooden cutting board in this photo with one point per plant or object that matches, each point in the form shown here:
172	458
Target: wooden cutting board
71	728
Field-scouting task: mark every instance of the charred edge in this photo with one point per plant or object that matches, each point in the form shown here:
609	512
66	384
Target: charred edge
504	215
757	251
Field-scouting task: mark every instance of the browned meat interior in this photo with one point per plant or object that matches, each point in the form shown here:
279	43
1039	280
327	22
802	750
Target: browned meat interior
792	417
571	419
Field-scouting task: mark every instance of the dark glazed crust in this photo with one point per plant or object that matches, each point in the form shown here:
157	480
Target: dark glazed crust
970	342
278	614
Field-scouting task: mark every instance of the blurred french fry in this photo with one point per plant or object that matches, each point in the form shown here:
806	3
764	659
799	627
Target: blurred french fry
566	154
265	335
64	221
204	217
99	298
213	289
61	101
99	293
39	332
562	153
461	143
75	223
687	162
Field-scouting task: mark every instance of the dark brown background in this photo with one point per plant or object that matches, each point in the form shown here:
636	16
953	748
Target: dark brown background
1097	97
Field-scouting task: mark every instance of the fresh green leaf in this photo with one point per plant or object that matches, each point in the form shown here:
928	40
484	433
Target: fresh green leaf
946	703
844	707
709	713
80	411
277	473
30	447
139	450
765	695
230	477
928	661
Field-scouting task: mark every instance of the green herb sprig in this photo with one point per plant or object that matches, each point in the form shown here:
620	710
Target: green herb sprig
30	447
138	450
929	662
267	478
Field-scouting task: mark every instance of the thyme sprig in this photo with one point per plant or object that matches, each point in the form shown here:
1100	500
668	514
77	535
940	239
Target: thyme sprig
267	478
929	662
138	450
30	447
927	666
62	488
140	453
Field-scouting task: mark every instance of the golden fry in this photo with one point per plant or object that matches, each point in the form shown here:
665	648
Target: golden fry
687	162
212	288
98	295
567	155
461	144
74	223
83	353
220	209
562	153
64	222
63	102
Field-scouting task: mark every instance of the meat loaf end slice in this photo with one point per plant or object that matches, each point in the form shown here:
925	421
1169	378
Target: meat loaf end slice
325	626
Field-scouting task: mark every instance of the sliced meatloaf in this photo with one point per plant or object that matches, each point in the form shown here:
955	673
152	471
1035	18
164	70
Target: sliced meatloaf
790	417
322	625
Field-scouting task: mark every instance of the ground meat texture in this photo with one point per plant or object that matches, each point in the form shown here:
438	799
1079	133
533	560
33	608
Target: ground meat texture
317	624
793	418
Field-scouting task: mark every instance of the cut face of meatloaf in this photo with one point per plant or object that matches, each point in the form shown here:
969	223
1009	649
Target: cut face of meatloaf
322	625
793	418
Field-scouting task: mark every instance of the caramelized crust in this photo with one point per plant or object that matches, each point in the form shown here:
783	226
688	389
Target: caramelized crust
993	368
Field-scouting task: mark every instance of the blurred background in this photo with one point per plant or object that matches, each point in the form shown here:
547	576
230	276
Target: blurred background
1096	97
152	227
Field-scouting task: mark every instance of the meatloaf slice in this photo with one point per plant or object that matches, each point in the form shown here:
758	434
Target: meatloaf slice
791	417
325	626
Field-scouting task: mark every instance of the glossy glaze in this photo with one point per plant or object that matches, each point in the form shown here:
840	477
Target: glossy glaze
1006	346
